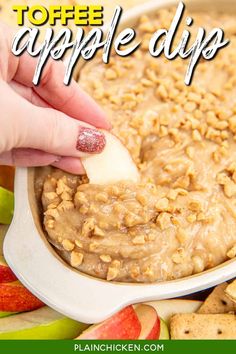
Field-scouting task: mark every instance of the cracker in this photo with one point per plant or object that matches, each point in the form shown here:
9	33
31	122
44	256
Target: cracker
230	292
203	326
218	301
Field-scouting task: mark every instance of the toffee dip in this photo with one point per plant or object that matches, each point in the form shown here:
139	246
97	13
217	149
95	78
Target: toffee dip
181	218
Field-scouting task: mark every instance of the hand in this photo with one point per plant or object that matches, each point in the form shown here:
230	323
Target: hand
45	124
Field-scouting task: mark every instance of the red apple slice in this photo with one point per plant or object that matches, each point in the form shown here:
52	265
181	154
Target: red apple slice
150	322
123	325
6	274
7	177
14	297
112	165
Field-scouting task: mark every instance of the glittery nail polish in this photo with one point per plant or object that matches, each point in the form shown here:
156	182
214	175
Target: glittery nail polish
90	140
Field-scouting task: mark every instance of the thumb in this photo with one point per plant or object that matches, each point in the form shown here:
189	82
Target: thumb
27	126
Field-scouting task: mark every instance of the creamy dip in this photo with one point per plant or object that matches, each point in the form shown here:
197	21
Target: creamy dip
181	218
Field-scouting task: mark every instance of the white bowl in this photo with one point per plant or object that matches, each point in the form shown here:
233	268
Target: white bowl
68	291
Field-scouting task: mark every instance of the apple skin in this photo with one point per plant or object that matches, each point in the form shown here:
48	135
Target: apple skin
14	297
7	177
164	331
6	314
3	231
6	274
150	322
44	323
123	325
6	206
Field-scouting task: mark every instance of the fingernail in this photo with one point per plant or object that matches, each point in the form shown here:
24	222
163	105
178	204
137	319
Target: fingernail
90	140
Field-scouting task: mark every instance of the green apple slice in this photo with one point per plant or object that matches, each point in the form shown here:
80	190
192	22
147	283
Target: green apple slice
164	331
6	314
6	206
3	231
44	323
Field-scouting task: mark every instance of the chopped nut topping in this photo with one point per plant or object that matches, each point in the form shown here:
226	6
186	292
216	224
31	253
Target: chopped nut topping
161	92
190	152
222	178
190	106
50	195
112	273
66	196
88	227
230	189
98	232
142	199
101	197
163	220
110	74
52	212
65	205
80	199
138	240
151	236
93	246
162	204
68	245
196	135
76	258
232	252
78	244
182	235
113	270
106	258
62	187
131	219
191	218
179	256
83	210
173	193
50	223
53	205
195	205
198	264
134	271
148	272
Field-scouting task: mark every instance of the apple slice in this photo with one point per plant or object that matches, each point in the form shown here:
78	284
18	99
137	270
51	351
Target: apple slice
3	231
164	330
6	314
123	325
167	308
6	206
14	297
7	177
112	165
43	323
6	274
150	322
